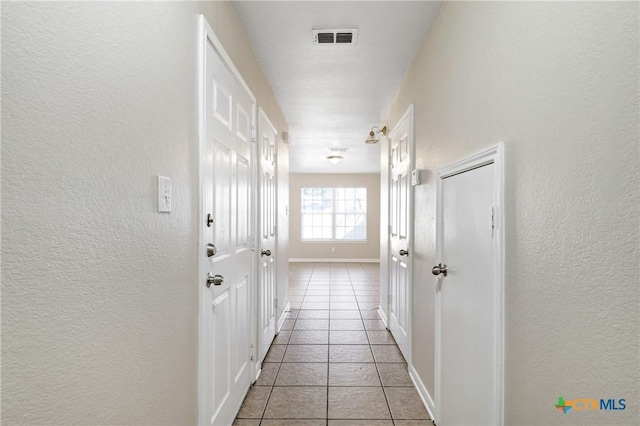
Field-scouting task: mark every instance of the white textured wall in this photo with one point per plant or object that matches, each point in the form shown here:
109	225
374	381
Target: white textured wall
99	291
343	250
559	83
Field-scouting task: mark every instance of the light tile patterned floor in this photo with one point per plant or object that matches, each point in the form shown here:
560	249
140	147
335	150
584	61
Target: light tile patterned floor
333	363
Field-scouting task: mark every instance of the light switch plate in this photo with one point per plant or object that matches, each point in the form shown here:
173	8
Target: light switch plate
164	194
415	177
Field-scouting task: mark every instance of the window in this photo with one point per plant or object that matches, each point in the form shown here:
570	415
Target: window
334	214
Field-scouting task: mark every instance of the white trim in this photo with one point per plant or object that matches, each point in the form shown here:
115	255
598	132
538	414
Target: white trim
383	317
326	260
427	401
283	316
207	35
495	155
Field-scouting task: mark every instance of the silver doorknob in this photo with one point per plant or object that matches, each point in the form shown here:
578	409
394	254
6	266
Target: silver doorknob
404	252
211	250
266	253
214	279
440	269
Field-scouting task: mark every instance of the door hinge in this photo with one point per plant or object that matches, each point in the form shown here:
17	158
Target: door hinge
389	298
390	227
275	303
253	133
275	230
492	218
252	353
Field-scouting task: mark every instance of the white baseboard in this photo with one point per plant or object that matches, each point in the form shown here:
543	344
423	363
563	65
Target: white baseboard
326	260
422	391
383	316
283	316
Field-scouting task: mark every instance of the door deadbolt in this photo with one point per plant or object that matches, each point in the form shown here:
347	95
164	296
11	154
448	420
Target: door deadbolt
266	253
440	269
214	279
211	250
404	252
210	220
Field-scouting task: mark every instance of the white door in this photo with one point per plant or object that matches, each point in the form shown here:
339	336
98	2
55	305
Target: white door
226	218
469	298
267	226
400	231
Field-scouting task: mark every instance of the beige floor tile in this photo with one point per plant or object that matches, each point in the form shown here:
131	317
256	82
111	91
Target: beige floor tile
247	422
335	314
275	354
360	423
344	305
367	403
405	404
311	324
367	306
343	298
288	324
374	324
314	305
353	374
309	337
268	374
322	292
350	353
380	337
323	299
413	423
297	402
297	422
313	314
338	324
371	298
387	353
341	291
339	337
307	353
254	403
370	313
302	374
394	375
282	338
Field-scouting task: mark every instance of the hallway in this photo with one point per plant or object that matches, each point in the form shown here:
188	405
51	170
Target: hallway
333	363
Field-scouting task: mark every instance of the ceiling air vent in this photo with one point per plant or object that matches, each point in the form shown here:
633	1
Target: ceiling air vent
335	36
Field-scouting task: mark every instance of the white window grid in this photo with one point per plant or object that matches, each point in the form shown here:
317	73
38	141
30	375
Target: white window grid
333	214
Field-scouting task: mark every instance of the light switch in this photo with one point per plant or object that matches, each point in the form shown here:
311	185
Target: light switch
415	177
164	194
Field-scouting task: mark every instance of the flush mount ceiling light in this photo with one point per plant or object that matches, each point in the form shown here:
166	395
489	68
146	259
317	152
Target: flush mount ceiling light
374	134
335	155
334	159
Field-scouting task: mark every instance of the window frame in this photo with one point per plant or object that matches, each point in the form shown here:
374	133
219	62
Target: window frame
334	214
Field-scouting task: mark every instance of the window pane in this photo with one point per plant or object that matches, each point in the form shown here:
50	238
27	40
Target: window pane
333	213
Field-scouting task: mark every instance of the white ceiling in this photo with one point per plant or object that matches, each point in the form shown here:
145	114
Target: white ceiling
332	95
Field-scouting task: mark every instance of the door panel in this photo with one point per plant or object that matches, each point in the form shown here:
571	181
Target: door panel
226	312
400	229
267	201
468	300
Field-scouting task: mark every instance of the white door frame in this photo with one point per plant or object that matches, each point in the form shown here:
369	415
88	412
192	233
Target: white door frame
407	115
207	35
495	155
258	145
